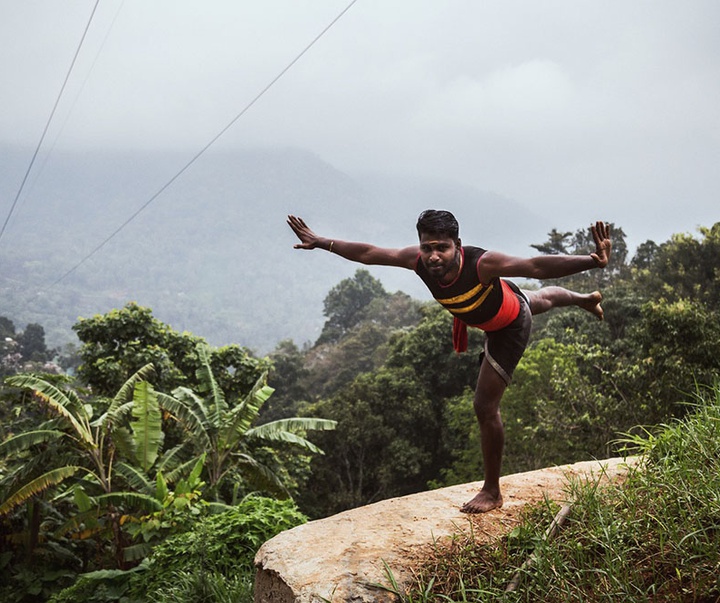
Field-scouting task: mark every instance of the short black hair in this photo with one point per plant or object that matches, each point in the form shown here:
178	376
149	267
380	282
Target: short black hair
438	221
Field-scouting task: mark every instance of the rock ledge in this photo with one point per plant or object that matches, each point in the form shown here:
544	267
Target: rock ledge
339	558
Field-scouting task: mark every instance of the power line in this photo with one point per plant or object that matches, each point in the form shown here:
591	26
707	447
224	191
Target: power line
74	102
47	125
205	148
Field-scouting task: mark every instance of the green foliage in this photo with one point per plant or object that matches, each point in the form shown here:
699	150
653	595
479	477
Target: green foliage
557	407
223	544
190	586
77	453
687	267
346	302
103	586
146	425
674	346
651	538
384	445
221	430
555	411
118	343
180	509
428	350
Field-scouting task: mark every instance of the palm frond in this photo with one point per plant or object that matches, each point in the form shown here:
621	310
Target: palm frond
23	441
124	442
39	484
136	552
126	392
279	435
218	507
81	498
134	500
64	402
181	471
82	525
146	424
240	419
189	409
161	488
136	478
259	476
119	413
217	406
170	459
299	424
286	430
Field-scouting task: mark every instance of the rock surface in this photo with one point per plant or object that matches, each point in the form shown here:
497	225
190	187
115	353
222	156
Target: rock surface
340	558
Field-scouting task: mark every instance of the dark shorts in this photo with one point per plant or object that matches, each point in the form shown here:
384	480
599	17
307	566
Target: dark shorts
504	348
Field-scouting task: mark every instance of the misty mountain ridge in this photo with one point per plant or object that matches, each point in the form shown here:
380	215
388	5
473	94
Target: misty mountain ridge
212	254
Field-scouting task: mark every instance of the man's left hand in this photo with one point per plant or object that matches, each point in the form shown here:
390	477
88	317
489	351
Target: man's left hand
603	245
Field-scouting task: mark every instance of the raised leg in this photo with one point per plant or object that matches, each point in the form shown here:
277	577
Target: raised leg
548	298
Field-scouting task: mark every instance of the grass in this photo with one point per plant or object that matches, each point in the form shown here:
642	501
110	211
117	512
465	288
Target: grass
654	538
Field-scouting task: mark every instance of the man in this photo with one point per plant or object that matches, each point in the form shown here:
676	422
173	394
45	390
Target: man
468	282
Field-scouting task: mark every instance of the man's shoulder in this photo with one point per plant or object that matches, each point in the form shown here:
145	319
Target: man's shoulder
473	252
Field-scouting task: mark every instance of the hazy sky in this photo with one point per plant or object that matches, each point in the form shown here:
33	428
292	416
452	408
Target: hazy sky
606	109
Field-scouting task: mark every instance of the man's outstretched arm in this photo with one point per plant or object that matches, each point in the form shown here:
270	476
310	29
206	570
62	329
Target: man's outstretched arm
544	267
363	253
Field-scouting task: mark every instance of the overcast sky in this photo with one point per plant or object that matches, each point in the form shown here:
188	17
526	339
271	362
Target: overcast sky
607	109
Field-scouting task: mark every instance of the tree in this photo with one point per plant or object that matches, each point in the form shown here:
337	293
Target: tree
361	348
118	343
644	255
383	445
32	343
287	376
7	327
686	267
221	428
672	348
557	243
428	349
87	449
346	302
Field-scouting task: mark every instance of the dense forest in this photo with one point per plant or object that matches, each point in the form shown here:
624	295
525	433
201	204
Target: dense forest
143	442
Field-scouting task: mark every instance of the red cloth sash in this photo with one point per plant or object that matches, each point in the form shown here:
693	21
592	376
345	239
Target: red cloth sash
508	312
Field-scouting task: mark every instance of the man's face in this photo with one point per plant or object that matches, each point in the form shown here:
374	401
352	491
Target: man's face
441	256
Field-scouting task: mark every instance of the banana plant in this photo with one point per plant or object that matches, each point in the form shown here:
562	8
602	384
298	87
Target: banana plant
223	430
87	446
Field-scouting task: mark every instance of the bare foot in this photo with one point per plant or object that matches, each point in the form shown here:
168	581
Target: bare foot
591	303
482	503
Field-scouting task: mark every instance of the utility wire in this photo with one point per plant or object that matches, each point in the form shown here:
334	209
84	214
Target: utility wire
39	171
205	148
47	125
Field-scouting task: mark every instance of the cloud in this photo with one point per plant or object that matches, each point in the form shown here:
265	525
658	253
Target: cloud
557	104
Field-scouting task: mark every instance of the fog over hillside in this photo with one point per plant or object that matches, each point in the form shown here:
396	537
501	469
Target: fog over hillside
212	254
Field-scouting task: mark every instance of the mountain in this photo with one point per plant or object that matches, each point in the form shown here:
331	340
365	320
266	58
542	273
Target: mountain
211	253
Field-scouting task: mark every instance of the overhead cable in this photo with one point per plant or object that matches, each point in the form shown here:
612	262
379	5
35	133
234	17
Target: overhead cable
49	121
205	148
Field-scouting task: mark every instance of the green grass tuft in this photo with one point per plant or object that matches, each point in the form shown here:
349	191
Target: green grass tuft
655	537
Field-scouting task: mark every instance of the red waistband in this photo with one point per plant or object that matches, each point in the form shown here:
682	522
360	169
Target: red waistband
506	314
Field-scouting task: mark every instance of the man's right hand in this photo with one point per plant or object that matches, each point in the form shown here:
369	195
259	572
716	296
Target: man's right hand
308	239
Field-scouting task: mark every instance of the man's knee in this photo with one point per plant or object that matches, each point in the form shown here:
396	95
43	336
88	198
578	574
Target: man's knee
487	401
